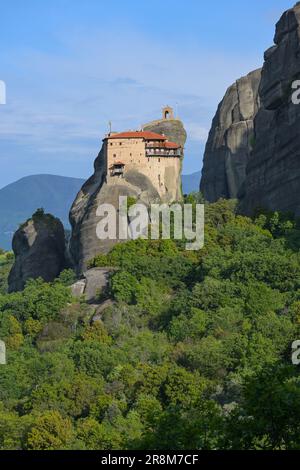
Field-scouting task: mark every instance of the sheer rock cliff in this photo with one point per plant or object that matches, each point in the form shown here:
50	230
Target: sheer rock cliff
230	140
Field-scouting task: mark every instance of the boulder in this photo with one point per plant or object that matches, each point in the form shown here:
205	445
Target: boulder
96	282
78	288
93	283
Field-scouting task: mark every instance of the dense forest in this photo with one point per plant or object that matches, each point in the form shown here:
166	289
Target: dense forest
194	353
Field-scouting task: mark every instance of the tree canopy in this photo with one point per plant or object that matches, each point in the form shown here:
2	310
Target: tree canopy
194	352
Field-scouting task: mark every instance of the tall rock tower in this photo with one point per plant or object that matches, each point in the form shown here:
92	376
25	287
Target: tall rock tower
273	172
231	140
253	149
144	164
39	248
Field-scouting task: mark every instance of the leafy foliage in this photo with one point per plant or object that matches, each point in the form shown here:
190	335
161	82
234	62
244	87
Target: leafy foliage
6	262
194	352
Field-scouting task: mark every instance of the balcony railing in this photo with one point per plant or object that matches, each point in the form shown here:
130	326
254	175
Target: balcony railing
163	153
118	171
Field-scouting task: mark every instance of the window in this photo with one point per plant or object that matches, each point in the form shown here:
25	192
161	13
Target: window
159	160
115	155
120	143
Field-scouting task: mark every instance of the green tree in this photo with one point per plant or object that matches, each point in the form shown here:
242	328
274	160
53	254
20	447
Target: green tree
50	431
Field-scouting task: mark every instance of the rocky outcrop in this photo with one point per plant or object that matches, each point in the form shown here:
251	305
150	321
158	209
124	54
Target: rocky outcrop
39	248
273	173
92	288
230	140
253	150
93	284
171	128
84	244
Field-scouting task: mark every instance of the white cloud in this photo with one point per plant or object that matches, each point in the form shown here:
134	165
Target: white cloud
64	102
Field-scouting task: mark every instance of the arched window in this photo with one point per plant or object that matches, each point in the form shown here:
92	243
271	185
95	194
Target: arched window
168	113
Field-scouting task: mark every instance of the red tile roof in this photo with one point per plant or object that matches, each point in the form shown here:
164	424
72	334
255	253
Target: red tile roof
167	145
147	135
171	145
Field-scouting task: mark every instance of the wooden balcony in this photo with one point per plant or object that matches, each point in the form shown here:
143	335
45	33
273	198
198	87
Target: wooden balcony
117	169
161	152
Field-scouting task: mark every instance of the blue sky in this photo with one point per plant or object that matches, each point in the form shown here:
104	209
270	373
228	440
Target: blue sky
71	66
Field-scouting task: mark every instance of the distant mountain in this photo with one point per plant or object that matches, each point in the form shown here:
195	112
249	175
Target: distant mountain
190	183
19	200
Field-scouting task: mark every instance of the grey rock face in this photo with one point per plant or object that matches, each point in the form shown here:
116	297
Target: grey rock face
173	129
273	173
95	281
84	244
39	247
78	288
230	140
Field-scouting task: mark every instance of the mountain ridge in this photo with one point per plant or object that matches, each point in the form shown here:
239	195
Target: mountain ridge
19	200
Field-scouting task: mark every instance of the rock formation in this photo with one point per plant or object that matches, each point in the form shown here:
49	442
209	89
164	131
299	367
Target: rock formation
84	244
93	284
260	167
230	140
171	128
273	173
39	248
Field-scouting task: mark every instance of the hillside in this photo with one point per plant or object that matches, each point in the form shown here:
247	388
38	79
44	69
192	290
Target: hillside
19	200
191	350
